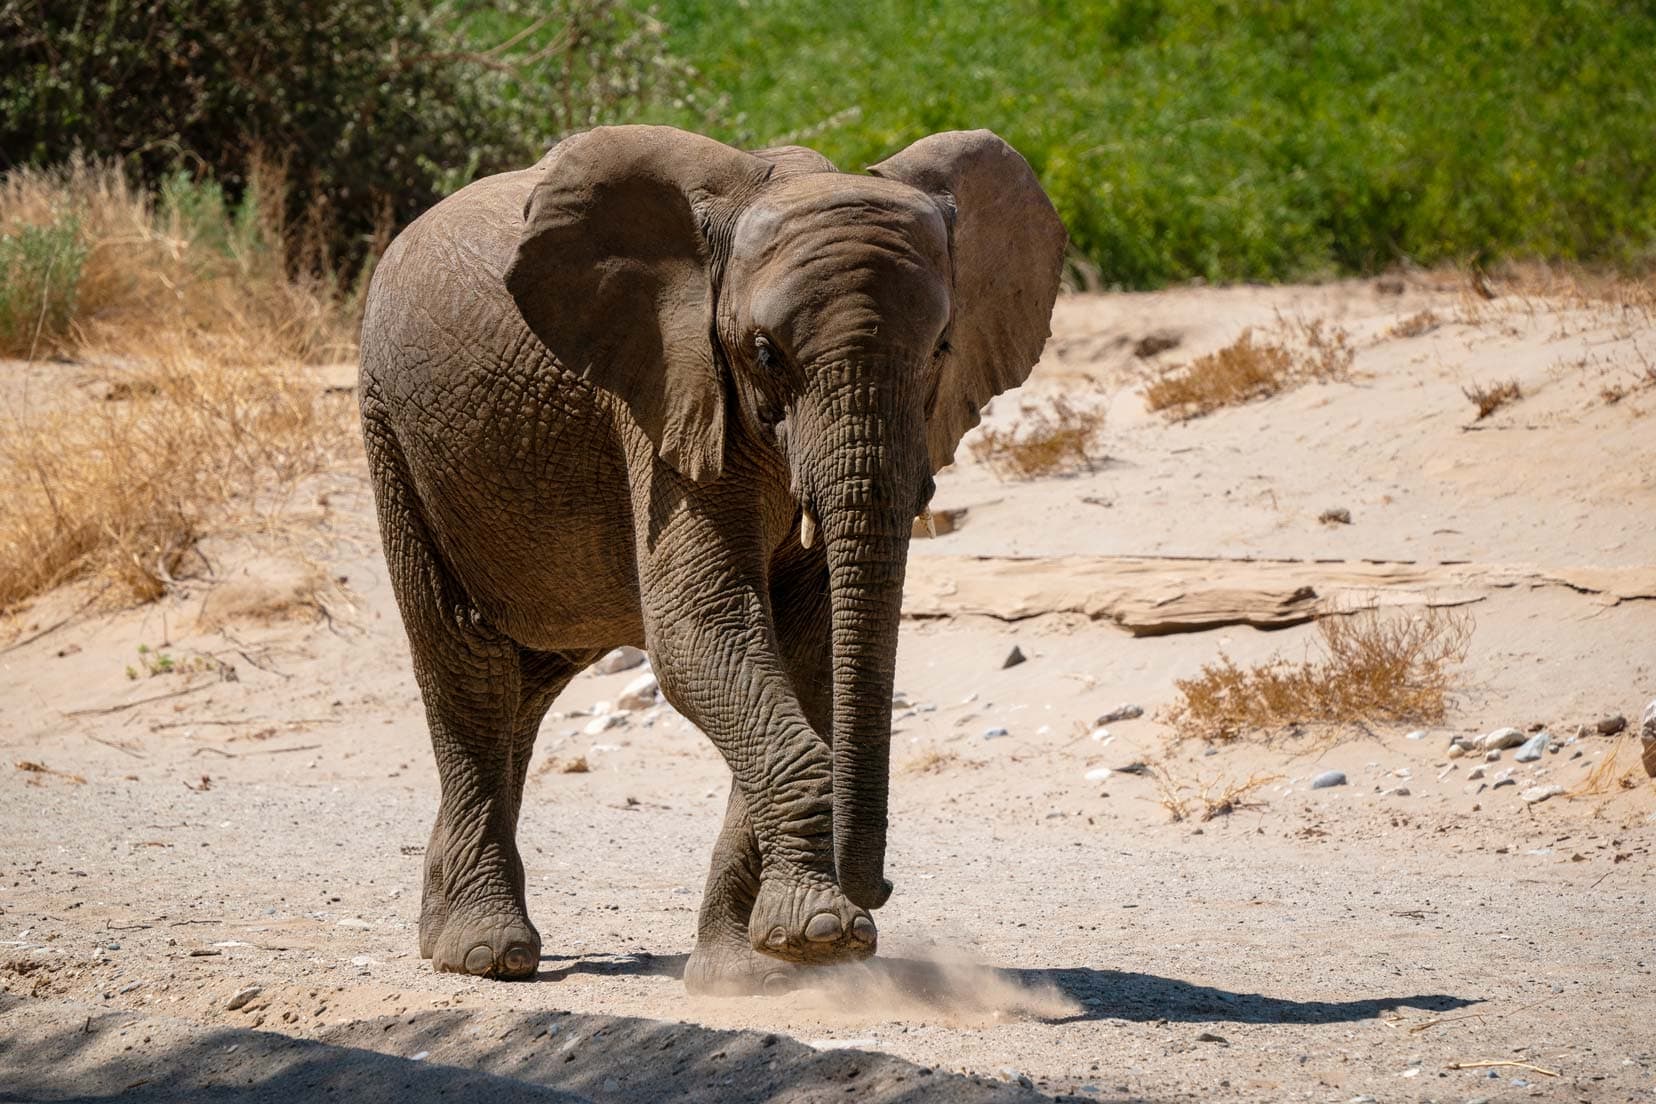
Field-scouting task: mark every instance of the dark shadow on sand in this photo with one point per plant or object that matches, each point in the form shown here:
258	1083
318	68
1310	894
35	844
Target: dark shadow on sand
1102	994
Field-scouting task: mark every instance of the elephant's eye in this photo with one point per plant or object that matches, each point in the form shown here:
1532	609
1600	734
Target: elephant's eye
763	352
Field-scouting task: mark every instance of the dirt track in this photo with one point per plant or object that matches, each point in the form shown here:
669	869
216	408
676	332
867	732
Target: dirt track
1050	935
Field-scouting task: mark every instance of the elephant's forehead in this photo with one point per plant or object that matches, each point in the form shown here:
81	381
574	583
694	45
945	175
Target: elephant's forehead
816	203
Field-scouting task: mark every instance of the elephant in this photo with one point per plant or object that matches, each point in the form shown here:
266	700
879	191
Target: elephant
661	392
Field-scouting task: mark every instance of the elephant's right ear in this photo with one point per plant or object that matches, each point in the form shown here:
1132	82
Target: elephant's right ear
613	274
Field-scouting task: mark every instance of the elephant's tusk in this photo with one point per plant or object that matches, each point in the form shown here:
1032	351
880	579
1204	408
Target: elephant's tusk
807	527
931	523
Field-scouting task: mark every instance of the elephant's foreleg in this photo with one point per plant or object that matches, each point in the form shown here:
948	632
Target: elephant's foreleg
725	960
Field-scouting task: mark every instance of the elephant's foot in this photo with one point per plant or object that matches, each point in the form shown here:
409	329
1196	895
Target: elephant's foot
494	945
724	969
809	921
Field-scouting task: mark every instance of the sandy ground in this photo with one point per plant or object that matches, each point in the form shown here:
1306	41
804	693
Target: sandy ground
254	817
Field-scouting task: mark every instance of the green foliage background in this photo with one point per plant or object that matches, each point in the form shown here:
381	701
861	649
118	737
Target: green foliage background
1226	141
1238	140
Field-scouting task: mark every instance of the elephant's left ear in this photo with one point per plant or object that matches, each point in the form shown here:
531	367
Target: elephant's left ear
613	273
1008	248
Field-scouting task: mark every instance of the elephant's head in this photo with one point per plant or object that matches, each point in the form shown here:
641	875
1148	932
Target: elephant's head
855	324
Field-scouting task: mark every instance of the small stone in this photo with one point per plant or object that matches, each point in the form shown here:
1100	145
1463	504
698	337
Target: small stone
242	996
1335	515
1501	738
1123	712
1456	751
604	723
1210	1037
1135	767
1647	738
641	693
624	658
1013	1075
129	987
361	960
1609	726
1098	774
1328	778
994	733
1101	736
354	922
1399	791
1499	782
1533	748
1417	734
1013	658
1492	756
421	1056
1537	794
611	1085
1474	774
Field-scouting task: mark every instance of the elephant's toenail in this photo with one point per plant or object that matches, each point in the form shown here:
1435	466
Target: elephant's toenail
777	937
824	927
519	959
862	928
480	960
776	983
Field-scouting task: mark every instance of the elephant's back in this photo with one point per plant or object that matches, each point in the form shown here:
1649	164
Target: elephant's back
442	276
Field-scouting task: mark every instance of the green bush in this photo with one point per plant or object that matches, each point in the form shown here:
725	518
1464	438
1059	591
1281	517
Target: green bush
1236	140
40	271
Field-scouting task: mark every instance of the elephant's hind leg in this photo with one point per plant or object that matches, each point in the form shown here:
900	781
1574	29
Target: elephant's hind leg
543	677
484	699
724	963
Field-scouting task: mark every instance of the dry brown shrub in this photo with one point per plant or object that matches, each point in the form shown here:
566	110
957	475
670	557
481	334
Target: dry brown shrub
203	336
1416	325
1490	399
124	487
1371	668
1252	368
1064	437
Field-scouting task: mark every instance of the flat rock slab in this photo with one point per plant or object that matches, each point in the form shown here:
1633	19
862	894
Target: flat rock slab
1153	596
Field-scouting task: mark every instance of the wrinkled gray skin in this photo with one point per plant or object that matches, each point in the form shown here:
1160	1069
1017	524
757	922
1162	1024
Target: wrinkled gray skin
611	399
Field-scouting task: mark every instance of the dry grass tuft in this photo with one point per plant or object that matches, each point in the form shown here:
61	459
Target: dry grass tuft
1621	769
1210	800
1416	325
933	761
185	304
1252	368
1395	668
1490	399
1064	437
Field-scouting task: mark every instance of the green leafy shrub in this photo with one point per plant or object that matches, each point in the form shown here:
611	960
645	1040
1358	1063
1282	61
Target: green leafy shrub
40	271
371	110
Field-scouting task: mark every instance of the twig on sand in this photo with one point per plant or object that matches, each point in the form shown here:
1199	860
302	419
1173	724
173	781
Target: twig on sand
1419	1027
134	704
278	751
1501	1062
118	747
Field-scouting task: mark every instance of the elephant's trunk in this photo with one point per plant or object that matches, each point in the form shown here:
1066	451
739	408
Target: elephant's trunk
865	580
867	504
